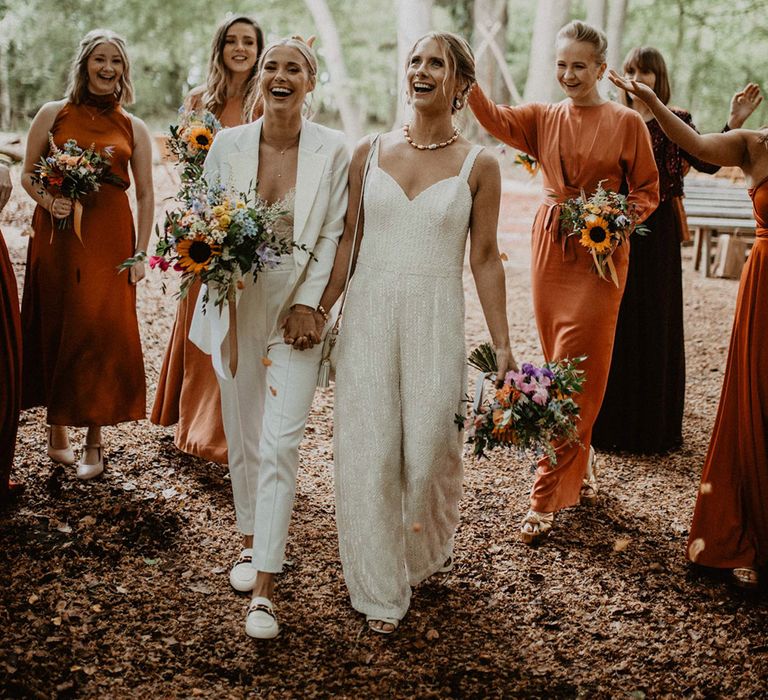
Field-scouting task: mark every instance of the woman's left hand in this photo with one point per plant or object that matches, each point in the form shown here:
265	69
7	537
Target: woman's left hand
505	361
640	90
136	272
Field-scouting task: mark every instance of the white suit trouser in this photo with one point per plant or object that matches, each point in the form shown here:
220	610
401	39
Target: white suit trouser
265	408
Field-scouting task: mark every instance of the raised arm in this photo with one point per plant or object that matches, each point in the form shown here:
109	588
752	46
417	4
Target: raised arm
515	126
728	149
141	167
484	258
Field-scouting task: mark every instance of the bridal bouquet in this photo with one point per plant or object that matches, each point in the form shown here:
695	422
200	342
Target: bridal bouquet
219	238
602	222
533	408
191	139
72	171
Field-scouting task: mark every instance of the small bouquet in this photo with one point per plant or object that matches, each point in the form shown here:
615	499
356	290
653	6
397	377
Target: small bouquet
533	408
191	139
602	222
218	237
72	171
530	164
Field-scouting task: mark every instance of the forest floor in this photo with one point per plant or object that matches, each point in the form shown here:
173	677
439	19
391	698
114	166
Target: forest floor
119	588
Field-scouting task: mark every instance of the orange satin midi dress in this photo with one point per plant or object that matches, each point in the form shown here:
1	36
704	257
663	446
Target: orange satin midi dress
730	521
575	310
82	351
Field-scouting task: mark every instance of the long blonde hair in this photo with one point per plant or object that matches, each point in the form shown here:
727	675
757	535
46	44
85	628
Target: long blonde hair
77	90
214	96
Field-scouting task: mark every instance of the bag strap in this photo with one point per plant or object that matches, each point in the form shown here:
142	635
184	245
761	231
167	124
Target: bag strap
374	146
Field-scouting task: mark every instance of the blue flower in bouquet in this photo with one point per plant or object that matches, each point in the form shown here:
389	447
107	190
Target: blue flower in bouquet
268	256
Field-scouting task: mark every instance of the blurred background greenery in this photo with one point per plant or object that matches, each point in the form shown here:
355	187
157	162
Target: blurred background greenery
712	47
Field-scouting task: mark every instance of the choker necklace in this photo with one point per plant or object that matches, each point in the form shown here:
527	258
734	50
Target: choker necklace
431	146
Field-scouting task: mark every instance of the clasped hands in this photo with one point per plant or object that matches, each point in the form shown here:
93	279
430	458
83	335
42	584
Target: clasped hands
303	327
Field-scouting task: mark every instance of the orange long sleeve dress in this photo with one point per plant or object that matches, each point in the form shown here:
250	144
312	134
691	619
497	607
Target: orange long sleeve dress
575	310
10	365
82	350
187	390
730	522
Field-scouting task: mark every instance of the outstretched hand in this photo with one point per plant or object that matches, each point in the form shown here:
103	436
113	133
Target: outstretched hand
743	103
640	90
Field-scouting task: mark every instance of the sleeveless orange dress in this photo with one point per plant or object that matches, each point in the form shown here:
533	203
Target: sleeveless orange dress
82	350
10	365
575	310
187	390
730	522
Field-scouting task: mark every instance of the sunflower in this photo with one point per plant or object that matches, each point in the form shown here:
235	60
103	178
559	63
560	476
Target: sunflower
596	235
196	254
199	137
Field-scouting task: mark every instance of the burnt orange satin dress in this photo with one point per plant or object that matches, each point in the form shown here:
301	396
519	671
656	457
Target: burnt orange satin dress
82	351
730	522
187	390
576	311
10	365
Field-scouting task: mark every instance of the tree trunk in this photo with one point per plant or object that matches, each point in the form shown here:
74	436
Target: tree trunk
616	19
414	18
541	84
490	44
334	58
596	12
6	32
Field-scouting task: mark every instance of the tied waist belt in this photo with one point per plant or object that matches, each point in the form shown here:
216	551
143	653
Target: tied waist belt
761	233
552	224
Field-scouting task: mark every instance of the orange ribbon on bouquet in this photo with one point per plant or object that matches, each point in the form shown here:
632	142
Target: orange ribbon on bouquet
77	221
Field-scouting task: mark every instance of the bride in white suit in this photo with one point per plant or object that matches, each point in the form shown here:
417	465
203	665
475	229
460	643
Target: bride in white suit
303	166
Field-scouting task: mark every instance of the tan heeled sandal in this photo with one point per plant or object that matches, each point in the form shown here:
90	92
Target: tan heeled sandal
589	490
745	577
536	526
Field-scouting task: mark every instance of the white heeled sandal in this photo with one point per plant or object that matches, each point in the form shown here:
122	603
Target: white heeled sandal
62	455
536	526
86	470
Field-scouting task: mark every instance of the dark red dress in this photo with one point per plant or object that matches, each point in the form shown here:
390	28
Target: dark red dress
10	365
643	405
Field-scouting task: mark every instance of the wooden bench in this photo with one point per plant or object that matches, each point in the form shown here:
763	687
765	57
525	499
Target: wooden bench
722	211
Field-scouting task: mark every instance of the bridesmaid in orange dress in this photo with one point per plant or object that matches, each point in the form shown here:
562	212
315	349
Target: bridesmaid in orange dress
730	522
82	351
10	354
187	390
579	142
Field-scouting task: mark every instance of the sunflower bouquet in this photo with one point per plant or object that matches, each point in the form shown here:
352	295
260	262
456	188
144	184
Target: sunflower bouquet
602	222
191	139
533	408
74	172
218	237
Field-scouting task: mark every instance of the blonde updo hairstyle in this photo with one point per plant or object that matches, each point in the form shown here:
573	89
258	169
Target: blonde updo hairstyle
77	89
310	59
581	31
459	59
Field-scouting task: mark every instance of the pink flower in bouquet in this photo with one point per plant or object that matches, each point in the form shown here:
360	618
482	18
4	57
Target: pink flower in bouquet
540	395
159	260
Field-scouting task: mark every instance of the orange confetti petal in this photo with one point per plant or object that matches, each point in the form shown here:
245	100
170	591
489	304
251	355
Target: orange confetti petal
266	362
240	284
504	257
416	527
273	390
621	544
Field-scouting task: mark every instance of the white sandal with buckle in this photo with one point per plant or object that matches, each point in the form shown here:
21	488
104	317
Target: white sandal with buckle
261	621
536	526
379	629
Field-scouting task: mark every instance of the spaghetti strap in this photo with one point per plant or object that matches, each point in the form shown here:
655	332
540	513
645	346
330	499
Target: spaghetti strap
469	161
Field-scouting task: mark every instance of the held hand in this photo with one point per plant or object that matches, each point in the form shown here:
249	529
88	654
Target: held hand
640	90
61	207
505	361
743	103
136	272
300	328
5	185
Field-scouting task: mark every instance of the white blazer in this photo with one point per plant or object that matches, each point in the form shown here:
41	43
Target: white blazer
321	203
